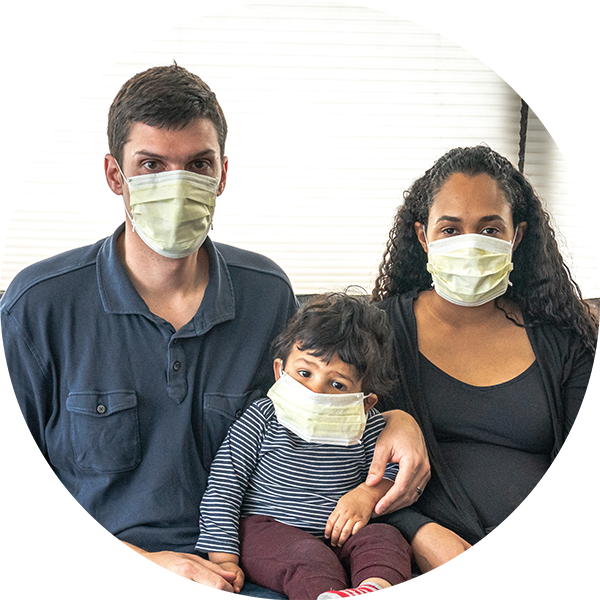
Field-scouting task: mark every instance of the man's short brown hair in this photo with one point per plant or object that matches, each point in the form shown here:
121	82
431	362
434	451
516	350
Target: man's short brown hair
165	97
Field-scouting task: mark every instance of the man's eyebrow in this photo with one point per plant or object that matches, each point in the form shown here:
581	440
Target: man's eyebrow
151	154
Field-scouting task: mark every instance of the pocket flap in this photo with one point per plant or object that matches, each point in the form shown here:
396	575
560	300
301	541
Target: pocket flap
101	404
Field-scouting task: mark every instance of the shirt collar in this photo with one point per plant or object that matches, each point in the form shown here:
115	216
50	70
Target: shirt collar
119	296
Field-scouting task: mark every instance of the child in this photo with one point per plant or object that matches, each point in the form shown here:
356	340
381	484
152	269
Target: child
293	466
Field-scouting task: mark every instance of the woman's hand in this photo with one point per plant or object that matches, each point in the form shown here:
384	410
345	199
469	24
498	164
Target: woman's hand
400	442
434	545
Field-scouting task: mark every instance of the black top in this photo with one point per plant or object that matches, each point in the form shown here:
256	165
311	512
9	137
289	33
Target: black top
496	439
129	412
456	501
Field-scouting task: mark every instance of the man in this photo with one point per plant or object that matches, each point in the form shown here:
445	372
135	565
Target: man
130	358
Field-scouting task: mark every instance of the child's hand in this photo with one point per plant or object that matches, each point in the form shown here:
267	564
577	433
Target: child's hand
352	512
238	582
229	562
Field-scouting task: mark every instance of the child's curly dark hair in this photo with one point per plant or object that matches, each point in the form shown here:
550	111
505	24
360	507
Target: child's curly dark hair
349	326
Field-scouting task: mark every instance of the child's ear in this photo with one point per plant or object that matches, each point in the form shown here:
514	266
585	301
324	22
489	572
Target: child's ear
370	402
277	368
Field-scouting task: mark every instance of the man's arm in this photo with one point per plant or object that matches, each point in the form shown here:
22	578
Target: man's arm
400	442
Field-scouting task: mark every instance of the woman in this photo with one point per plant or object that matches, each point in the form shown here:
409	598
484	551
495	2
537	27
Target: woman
494	345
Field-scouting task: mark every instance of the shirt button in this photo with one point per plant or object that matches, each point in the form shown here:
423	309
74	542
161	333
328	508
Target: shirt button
175	342
176	365
101	408
238	413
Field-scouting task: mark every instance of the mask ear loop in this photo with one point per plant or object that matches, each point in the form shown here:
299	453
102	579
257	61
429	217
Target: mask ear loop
126	181
514	237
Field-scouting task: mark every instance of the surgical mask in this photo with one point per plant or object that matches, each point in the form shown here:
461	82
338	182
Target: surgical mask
336	419
172	211
470	269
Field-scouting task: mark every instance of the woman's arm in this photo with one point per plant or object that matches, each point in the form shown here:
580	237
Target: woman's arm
400	442
434	545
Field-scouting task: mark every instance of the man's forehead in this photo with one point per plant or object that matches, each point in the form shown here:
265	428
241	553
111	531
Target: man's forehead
201	131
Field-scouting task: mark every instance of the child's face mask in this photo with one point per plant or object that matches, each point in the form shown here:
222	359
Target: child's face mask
336	419
172	211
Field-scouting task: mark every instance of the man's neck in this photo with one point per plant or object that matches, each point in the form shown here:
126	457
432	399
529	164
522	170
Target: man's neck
172	288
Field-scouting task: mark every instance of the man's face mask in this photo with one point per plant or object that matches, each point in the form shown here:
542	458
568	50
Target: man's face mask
470	269
172	211
336	419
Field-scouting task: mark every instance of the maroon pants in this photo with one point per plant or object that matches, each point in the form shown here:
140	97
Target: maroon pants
301	566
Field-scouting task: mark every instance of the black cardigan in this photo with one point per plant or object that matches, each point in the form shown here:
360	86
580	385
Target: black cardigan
565	366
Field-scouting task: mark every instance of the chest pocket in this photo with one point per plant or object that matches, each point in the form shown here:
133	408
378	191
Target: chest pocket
104	430
220	412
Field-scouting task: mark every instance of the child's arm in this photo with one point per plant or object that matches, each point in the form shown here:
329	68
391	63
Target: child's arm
354	510
229	562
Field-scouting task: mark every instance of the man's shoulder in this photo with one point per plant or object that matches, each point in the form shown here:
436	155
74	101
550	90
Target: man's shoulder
48	272
238	258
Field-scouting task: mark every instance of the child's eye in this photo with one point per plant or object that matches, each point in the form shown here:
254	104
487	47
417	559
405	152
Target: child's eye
304	373
338	386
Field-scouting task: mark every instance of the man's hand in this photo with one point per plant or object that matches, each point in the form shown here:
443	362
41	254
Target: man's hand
191	567
229	562
400	442
434	545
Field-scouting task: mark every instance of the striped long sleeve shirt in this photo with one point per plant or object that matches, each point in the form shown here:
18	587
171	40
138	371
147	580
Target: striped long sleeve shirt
262	468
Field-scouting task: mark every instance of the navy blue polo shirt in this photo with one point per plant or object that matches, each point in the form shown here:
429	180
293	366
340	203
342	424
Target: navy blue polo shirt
128	412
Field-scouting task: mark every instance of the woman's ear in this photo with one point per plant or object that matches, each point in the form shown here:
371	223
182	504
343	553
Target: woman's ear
277	368
420	231
520	232
370	401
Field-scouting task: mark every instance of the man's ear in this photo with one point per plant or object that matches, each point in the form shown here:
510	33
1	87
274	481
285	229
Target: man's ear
113	175
370	402
277	368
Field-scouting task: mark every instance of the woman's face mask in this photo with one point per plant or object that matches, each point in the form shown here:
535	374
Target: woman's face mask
470	269
172	211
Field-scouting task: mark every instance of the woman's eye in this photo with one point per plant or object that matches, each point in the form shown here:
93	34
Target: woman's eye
338	386
449	231
304	373
490	231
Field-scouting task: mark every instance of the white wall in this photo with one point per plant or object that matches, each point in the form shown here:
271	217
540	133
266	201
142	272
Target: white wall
333	111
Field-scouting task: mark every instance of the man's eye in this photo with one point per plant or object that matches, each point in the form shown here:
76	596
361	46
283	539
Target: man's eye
200	165
150	165
449	231
338	386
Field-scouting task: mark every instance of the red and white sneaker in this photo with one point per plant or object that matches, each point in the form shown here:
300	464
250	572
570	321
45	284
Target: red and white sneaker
363	589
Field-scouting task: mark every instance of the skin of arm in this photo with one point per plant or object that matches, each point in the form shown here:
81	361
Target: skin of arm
434	545
400	442
354	510
192	567
229	562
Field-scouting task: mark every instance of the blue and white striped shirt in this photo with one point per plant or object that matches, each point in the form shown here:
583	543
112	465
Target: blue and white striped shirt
262	468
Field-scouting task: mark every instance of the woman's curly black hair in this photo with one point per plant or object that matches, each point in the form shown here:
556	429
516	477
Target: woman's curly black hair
542	285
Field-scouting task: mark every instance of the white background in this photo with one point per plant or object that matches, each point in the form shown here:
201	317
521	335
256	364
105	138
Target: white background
333	111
